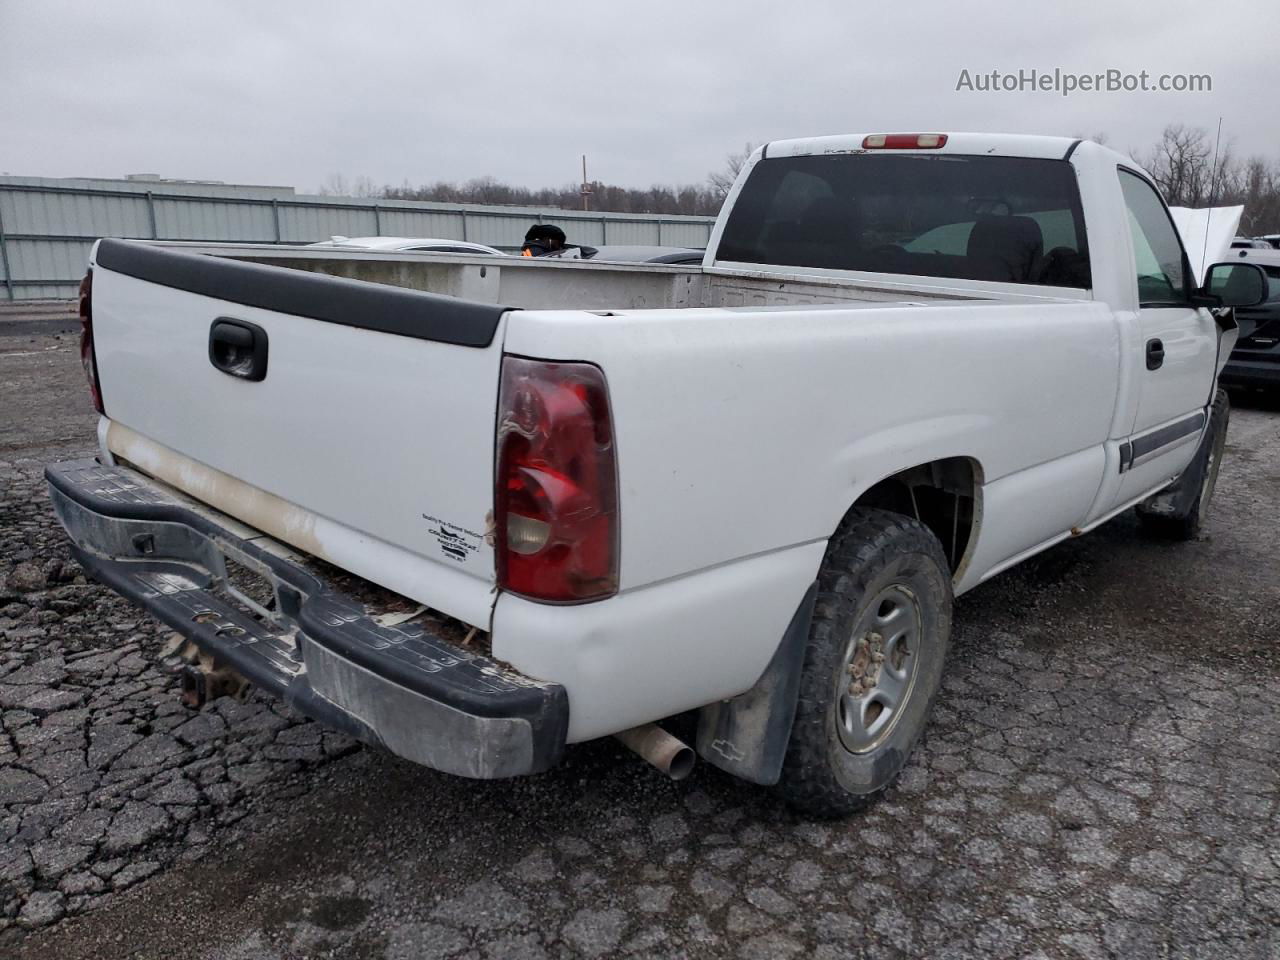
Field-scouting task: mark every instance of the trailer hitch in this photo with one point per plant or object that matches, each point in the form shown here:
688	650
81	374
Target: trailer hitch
201	677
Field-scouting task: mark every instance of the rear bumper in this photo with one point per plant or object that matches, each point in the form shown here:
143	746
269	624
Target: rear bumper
407	688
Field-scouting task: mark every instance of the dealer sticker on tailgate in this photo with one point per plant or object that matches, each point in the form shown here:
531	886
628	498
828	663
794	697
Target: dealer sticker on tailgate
455	542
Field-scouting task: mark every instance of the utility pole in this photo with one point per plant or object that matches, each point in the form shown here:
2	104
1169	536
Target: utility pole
586	188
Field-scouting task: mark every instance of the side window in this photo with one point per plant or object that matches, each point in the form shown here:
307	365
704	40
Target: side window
1162	276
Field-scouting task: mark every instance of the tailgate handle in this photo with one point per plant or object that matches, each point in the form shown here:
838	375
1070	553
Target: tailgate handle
238	348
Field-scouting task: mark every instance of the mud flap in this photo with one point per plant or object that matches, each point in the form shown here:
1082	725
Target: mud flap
747	736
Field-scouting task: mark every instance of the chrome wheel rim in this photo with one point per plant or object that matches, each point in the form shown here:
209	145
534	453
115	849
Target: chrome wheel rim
879	669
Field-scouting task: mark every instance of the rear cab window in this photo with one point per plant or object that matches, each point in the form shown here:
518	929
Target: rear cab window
1006	219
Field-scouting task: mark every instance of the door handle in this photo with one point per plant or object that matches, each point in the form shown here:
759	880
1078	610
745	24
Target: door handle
1155	354
238	348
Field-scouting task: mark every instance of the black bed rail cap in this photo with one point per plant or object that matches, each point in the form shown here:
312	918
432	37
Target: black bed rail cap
351	303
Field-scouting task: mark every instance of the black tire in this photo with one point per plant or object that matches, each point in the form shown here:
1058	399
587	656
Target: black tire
875	554
1178	512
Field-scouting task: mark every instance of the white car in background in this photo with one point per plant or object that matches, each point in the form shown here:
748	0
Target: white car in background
408	245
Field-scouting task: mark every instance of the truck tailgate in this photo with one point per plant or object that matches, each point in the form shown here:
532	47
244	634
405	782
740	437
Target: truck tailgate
368	442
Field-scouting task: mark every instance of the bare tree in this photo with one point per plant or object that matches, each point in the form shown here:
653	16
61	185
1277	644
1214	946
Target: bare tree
365	187
1181	165
1192	171
721	181
1260	194
337	185
693	200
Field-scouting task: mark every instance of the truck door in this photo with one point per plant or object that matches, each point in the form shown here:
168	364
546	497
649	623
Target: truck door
1173	364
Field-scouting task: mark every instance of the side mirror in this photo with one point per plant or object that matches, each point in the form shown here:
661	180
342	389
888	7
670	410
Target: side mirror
1232	285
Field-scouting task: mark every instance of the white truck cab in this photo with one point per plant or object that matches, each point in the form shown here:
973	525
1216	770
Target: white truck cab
476	509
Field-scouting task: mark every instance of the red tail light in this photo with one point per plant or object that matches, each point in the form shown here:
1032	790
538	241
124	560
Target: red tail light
89	359
556	502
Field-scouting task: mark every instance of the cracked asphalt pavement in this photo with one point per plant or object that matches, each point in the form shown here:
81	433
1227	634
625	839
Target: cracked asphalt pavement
1100	779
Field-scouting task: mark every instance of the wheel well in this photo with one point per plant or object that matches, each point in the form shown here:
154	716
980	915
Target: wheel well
943	495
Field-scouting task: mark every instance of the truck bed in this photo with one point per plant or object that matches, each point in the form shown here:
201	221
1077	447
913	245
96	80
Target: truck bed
549	284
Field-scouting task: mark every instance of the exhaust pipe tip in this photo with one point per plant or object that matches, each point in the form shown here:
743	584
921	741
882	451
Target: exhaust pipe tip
681	764
673	757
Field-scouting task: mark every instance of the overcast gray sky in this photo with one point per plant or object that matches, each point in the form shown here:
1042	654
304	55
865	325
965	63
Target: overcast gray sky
653	92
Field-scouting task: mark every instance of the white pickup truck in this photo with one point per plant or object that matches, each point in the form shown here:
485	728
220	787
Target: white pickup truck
475	511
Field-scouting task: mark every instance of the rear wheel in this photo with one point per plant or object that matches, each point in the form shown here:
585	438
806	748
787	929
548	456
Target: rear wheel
1178	512
873	663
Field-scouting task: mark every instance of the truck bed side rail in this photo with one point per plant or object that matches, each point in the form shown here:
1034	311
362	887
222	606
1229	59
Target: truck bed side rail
351	303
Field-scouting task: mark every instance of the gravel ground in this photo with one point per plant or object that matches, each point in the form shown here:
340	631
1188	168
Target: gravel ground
1100	779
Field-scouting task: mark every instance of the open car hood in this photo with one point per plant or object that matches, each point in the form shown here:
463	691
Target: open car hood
1206	233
